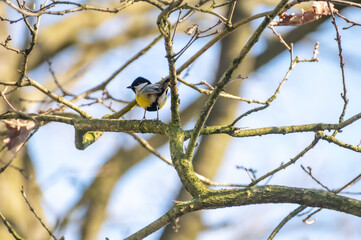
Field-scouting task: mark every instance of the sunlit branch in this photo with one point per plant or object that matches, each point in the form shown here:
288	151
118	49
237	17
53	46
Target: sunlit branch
332	139
57	98
10	228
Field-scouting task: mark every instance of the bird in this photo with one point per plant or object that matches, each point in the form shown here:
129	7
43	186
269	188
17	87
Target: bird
151	97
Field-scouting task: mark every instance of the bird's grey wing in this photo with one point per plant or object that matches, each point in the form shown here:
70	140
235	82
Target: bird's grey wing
152	89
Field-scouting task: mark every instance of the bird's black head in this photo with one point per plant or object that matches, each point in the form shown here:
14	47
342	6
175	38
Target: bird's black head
137	82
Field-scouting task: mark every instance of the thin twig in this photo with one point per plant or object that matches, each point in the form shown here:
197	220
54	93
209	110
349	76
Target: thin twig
3	95
59	99
285	220
231	11
293	63
10	228
176	24
347	185
353	23
332	139
222	94
309	172
51	70
36	215
302	207
342	66
292	161
279	37
251	173
219	16
309	222
79	7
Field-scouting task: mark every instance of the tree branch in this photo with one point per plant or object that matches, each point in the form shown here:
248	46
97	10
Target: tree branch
255	195
10	228
285	220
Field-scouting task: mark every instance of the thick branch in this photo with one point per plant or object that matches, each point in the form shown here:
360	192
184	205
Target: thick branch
255	195
149	126
281	194
103	125
237	132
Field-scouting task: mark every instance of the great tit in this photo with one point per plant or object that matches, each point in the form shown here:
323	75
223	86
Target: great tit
151	97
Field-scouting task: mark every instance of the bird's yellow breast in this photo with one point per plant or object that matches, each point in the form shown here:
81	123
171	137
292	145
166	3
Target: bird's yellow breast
143	100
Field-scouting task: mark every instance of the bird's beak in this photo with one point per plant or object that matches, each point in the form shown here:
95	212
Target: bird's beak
131	87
